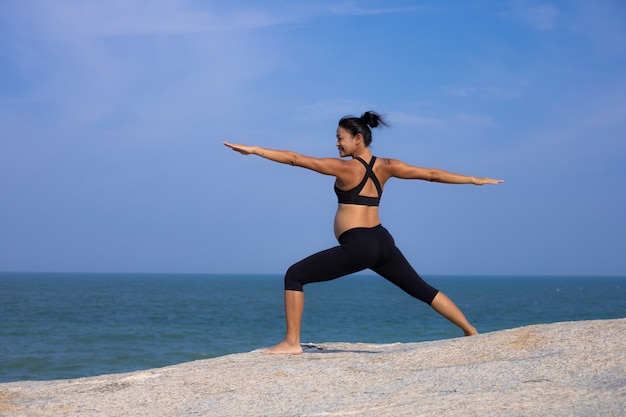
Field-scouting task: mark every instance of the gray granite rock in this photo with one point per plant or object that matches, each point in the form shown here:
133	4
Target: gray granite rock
560	369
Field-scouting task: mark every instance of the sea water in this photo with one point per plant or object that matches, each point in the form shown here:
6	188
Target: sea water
57	326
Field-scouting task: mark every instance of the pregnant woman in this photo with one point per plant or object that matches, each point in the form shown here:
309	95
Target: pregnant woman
363	242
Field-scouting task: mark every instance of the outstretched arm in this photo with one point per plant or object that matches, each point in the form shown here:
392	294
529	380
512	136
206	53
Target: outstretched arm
327	166
400	169
284	157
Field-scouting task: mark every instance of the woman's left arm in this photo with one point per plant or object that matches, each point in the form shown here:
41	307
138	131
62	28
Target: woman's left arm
440	175
403	170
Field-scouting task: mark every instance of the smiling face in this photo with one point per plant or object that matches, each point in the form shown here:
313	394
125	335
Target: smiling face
346	143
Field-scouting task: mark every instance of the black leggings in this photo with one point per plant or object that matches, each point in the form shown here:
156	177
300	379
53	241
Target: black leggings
361	248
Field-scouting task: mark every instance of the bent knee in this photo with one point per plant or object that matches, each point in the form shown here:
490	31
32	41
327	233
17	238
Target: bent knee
294	279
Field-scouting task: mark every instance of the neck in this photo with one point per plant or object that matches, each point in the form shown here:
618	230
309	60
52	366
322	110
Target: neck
364	153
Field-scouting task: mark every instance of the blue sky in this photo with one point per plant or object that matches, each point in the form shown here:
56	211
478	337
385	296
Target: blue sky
112	115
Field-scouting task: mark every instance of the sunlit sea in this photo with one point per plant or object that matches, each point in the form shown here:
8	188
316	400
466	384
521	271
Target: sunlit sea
58	326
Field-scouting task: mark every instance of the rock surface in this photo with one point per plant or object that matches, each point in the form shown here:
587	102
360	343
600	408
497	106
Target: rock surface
560	369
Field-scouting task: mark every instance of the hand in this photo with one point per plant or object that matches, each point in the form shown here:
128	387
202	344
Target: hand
483	181
242	149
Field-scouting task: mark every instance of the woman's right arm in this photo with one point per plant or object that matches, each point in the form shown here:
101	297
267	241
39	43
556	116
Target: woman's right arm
326	166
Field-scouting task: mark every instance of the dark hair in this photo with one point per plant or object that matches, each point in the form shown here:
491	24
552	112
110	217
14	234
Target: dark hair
356	125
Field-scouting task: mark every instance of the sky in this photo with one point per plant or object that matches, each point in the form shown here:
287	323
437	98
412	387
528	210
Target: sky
113	113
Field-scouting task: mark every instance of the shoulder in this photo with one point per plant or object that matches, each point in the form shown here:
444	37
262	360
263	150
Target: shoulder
328	166
388	163
400	169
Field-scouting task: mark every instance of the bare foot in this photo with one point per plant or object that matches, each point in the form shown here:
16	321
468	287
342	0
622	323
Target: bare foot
284	348
471	332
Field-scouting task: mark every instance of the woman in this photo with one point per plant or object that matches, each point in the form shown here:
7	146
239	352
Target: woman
363	242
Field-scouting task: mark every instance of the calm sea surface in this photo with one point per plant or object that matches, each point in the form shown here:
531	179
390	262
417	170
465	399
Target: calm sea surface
57	326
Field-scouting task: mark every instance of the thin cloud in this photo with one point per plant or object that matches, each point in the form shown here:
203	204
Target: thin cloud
603	24
331	109
587	133
498	93
540	16
414	120
474	119
86	76
353	9
460	91
63	19
92	18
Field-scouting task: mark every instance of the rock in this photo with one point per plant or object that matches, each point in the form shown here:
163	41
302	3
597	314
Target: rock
560	369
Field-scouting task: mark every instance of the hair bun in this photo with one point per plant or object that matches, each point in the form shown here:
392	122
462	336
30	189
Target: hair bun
370	118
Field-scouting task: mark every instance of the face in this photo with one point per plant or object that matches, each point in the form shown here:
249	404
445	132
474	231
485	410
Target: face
346	143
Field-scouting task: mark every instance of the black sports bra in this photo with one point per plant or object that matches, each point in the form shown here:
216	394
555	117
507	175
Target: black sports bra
352	196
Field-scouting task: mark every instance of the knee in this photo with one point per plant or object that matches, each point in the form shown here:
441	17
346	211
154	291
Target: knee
425	293
430	297
294	279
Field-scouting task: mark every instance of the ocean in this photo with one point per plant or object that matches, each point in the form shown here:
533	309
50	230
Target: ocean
60	326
